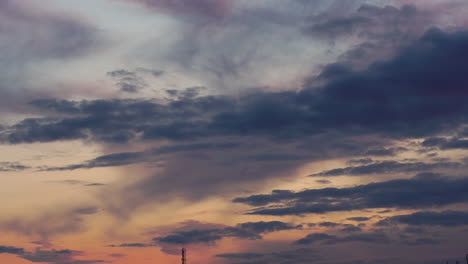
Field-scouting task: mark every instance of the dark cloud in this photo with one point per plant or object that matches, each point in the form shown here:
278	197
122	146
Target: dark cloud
331	239
423	241
13	166
301	255
414	230
315	237
445	143
266	227
358	219
111	160
351	229
250	230
329	224
117	255
425	81
77	182
364	161
445	218
384	151
151	155
323	181
390	167
64	256
245	255
11	250
137	245
133	81
415	193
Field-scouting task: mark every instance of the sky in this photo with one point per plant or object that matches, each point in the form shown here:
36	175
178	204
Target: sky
247	131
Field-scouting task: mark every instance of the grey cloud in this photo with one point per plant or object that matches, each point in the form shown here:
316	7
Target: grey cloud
423	241
300	255
249	230
150	155
351	229
390	167
36	35
137	245
384	151
378	30
418	192
323	181
331	239
133	81
86	211
111	160
288	114
445	219
201	9
358	219
245	255
11	250
373	22
328	224
64	256
13	166
364	161
315	237
446	144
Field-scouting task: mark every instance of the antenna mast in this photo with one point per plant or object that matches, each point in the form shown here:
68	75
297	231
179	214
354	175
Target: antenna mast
184	257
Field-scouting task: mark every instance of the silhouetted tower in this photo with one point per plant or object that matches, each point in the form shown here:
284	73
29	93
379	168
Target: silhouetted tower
466	258
184	256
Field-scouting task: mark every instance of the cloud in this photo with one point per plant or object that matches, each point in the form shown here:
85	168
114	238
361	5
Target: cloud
51	223
34	35
351	229
300	255
445	144
420	76
358	219
415	193
315	237
384	151
328	224
11	250
133	81
377	32
372	22
330	239
363	161
13	166
150	155
381	167
205	9
249	230
323	181
137	245
245	255
444	218
64	256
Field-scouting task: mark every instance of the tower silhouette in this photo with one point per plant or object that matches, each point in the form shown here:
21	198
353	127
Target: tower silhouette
184	256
